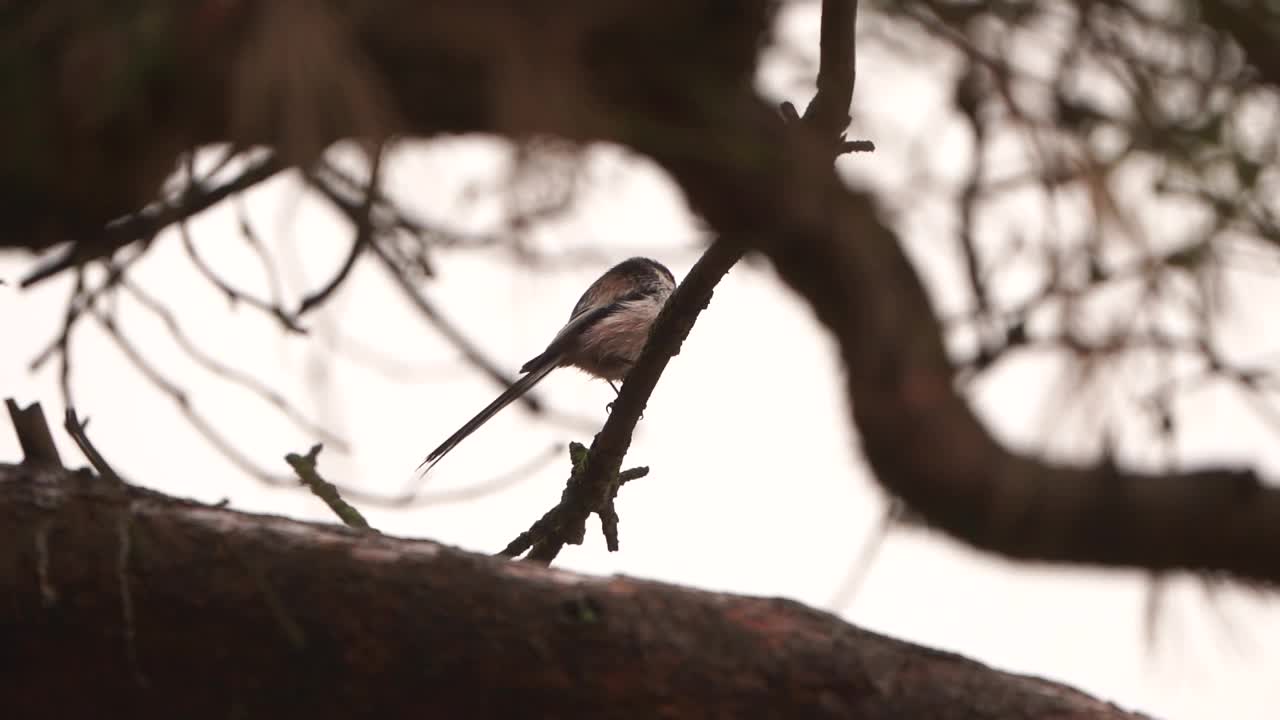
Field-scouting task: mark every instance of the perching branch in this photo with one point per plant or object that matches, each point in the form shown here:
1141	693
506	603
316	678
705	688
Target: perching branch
234	295
363	219
180	398
592	487
225	372
568	510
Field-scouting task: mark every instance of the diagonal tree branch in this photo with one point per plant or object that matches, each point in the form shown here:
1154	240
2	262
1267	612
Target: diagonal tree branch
363	220
592	489
926	445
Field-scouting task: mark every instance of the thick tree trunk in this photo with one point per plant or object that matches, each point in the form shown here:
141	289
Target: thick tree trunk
122	602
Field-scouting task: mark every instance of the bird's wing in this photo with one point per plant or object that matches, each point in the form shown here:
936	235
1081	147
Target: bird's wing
571	330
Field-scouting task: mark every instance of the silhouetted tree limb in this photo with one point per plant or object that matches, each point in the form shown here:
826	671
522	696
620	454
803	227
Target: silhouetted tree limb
922	439
154	607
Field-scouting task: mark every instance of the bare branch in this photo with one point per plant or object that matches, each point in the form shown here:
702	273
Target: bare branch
236	377
76	430
234	296
592	487
201	425
860	567
363	219
146	224
269	267
428	310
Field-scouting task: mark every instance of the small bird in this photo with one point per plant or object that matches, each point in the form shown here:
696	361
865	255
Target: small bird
604	336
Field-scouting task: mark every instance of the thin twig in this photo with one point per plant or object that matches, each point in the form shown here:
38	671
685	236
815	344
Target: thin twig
234	295
364	231
202	426
967	98
861	566
231	375
305	467
270	270
76	429
228	450
450	331
82	297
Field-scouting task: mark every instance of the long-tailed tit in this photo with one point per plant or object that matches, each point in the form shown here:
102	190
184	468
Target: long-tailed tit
604	336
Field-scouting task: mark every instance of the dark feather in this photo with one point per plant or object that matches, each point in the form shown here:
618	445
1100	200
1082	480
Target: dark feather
518	388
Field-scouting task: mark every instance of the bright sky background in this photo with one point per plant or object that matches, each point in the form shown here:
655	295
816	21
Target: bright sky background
756	484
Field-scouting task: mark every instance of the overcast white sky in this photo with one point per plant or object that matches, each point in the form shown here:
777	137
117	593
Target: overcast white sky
756	484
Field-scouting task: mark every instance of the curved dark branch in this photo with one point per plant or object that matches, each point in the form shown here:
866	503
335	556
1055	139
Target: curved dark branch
146	224
396	272
363	219
233	294
225	372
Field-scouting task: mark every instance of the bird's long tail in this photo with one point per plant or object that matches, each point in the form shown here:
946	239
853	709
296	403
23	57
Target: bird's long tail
510	395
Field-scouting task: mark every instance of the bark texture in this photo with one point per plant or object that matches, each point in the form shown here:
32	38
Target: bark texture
122	602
